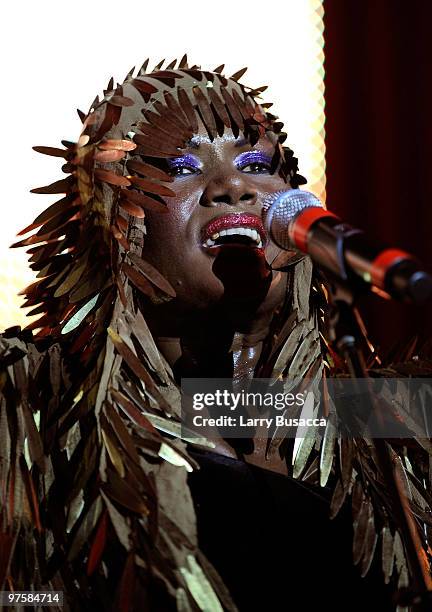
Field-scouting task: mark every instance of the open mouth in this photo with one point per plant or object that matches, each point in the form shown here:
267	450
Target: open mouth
234	229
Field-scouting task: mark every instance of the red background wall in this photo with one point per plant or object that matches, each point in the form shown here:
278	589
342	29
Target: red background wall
378	65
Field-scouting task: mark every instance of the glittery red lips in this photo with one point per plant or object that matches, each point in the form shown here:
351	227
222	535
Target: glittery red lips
234	220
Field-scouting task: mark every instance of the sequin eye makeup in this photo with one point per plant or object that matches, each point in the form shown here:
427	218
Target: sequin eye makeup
184	165
253	161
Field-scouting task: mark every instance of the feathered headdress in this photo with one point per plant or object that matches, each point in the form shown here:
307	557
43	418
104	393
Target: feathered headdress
88	242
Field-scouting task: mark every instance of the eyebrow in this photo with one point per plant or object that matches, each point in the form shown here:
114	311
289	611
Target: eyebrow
196	141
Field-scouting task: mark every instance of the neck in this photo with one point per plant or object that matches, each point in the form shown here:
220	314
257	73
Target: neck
224	341
220	342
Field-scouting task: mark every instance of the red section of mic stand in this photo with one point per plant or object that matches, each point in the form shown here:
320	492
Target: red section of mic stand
301	225
385	260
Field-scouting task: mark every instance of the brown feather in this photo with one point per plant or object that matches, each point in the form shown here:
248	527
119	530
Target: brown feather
58	221
108	156
127	584
152	274
338	498
206	112
232	107
183	62
172	117
139	280
132	412
53	151
148	170
387	555
219	107
31	494
143	68
119	490
173	105
131	209
237	75
245	110
113	179
151	187
53	210
122	223
91	284
371	539
346	453
154	137
84	338
119	236
149	148
164	123
122	433
121	101
72	278
62	186
146	201
121	145
111	117
144	87
129	74
360	529
188	109
138	369
98	546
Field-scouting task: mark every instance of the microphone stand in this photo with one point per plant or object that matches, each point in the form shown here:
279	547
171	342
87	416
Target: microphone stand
346	333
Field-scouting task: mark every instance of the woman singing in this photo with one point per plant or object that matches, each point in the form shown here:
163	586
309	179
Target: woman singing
153	267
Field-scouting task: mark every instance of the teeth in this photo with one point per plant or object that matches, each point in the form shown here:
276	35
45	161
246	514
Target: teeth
241	231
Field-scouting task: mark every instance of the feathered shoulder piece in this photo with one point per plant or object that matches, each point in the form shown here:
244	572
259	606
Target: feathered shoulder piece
346	461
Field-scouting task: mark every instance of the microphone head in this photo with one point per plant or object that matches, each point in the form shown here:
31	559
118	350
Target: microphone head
280	208
293	201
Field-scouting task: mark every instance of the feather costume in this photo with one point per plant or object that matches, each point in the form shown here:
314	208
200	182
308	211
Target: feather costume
93	470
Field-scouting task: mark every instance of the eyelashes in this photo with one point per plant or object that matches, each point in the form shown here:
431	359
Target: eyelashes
186	164
260	160
256	162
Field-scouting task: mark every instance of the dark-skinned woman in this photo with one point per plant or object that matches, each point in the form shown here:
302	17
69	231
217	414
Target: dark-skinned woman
154	267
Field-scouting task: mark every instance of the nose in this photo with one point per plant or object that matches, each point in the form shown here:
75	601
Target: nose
228	190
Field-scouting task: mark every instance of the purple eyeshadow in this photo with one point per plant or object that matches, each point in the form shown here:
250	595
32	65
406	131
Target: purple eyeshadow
252	157
184	160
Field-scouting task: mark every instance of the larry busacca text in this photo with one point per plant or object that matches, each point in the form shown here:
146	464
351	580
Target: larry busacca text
210	405
231	401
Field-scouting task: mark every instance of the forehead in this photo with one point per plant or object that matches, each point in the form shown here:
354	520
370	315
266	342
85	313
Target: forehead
202	141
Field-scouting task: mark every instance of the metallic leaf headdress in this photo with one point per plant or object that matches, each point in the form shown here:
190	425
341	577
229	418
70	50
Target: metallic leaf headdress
90	240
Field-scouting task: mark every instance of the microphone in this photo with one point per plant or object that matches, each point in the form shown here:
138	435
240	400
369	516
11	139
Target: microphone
296	219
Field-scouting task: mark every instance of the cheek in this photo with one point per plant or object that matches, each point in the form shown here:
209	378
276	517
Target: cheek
274	183
169	235
172	223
